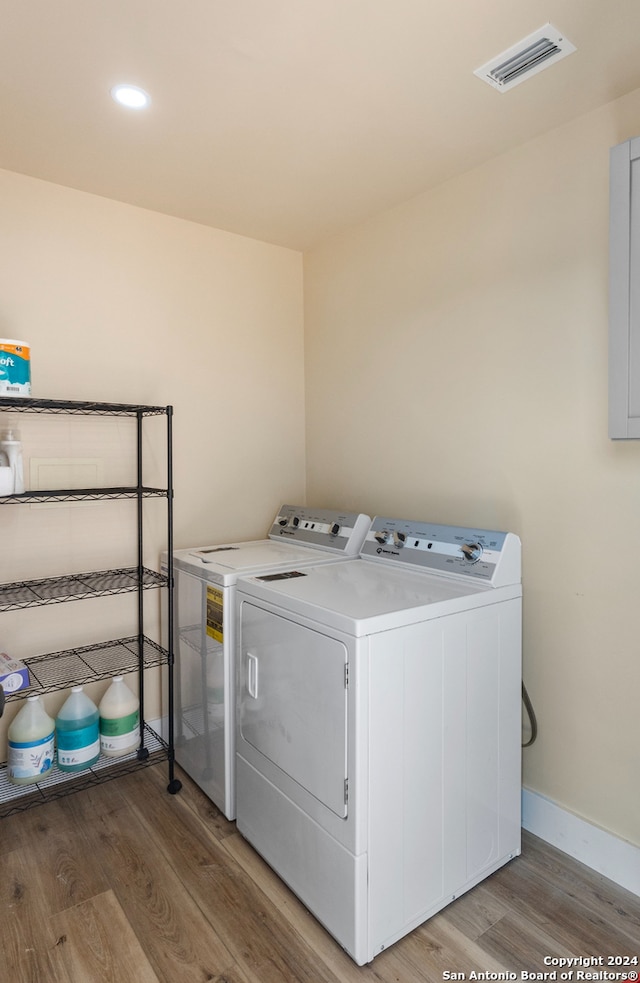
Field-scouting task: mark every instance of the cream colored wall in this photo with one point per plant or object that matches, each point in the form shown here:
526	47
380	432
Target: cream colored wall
456	352
126	305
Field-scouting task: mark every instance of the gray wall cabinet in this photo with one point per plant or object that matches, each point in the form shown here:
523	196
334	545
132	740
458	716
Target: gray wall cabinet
624	290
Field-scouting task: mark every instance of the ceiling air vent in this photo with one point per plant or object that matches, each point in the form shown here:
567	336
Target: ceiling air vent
537	51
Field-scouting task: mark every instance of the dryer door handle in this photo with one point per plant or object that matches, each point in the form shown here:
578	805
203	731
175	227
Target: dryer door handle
252	675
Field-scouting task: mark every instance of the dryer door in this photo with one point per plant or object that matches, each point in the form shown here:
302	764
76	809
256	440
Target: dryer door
293	702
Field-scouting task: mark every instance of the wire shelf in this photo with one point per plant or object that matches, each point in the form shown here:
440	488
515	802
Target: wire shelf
81	495
77	667
19	404
55	785
53	590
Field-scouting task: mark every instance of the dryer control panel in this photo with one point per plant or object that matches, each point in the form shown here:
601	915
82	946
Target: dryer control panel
326	529
461	551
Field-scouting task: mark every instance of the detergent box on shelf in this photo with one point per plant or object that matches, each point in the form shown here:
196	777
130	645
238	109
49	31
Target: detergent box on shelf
14	675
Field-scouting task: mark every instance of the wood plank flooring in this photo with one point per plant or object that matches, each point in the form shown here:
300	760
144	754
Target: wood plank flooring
124	883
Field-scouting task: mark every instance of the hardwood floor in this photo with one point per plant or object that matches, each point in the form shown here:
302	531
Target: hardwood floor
124	883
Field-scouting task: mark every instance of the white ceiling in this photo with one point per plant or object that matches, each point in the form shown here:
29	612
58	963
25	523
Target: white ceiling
288	120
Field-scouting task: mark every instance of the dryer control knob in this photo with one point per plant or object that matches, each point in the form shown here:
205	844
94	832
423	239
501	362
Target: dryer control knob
399	539
383	537
471	552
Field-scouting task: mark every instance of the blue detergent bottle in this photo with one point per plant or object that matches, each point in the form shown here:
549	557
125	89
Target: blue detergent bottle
77	732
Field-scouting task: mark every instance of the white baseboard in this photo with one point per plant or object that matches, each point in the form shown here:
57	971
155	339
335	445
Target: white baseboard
602	851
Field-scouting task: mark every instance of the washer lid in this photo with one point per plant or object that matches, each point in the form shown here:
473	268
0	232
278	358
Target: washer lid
362	598
223	564
298	535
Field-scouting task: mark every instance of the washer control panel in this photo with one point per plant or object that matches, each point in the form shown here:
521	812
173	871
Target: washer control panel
478	554
328	529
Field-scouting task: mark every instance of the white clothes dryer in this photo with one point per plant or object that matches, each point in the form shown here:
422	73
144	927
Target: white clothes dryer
204	592
379	725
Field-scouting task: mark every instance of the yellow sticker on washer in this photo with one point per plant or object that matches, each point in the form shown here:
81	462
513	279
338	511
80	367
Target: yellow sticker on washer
215	614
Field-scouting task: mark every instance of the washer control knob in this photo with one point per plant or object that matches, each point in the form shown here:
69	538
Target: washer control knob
295	521
335	528
383	537
283	522
399	538
471	551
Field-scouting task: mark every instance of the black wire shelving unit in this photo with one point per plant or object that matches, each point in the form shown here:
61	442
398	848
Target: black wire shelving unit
55	671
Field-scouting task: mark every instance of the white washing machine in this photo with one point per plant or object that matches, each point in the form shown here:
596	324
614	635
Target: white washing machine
204	678
378	725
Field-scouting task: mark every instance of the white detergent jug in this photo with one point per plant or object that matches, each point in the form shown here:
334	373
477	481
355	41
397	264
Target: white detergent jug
30	745
11	450
119	720
6	475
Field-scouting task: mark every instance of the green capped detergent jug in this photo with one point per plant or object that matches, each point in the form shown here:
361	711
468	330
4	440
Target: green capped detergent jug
119	720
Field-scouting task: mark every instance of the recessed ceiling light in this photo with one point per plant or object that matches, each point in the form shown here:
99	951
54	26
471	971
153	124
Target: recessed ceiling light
131	96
